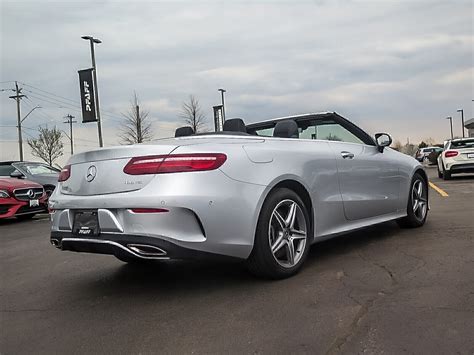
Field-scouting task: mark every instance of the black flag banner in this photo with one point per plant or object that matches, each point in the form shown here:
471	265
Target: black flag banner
87	95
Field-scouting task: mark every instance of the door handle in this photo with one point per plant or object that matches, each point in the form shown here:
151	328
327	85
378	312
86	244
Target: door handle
347	155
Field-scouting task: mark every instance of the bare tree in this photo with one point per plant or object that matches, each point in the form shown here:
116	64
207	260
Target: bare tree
136	128
397	145
48	145
192	115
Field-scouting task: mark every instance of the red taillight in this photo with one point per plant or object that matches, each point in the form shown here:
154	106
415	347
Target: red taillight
65	173
176	163
450	153
149	210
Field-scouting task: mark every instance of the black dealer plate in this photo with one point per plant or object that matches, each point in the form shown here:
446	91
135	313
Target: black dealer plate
86	224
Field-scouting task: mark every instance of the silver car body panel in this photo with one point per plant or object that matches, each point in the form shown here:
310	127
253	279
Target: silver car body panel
217	211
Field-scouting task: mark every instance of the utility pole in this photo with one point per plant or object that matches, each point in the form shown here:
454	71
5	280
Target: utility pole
223	104
70	121
462	120
18	97
92	41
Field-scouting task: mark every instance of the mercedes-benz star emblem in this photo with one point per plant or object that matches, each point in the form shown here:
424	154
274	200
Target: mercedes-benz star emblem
91	173
31	193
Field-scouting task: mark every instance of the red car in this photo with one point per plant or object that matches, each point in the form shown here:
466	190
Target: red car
21	198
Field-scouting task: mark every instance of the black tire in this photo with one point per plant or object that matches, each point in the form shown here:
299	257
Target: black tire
25	217
440	174
412	220
261	261
446	174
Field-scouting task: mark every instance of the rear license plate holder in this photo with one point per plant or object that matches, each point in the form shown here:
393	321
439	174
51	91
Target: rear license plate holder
86	224
470	155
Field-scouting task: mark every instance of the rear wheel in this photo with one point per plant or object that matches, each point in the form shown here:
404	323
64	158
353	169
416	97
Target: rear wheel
282	236
417	208
446	174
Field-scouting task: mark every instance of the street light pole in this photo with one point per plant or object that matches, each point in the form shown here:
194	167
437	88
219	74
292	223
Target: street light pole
223	104
92	41
451	122
462	120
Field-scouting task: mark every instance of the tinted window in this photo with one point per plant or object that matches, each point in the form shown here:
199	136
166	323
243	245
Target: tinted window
36	169
266	132
6	170
317	129
329	131
467	143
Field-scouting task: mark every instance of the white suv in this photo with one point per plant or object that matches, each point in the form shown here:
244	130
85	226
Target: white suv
457	157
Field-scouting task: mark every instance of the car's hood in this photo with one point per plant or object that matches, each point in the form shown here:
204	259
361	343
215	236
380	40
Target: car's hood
13	183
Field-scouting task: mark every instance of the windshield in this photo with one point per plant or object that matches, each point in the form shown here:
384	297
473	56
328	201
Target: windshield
467	143
37	169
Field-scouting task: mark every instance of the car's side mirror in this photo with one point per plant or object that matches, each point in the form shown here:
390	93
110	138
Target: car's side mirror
16	174
382	140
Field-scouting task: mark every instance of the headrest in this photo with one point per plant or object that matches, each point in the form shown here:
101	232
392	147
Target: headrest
286	129
234	125
184	131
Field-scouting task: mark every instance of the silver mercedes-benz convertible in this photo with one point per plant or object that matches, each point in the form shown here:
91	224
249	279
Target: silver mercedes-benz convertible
262	192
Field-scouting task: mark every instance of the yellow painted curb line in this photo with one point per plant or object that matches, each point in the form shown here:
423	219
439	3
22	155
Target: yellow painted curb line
438	190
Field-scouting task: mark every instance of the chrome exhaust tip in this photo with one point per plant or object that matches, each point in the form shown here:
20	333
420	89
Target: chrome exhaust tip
55	242
146	250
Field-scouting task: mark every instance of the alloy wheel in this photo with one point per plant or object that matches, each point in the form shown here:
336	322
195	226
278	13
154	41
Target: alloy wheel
419	199
287	233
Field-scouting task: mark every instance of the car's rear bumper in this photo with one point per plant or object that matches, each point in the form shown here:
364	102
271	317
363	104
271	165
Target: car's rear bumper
135	246
206	212
459	168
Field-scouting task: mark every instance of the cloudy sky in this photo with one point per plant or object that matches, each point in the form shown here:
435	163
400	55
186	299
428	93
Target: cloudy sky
394	66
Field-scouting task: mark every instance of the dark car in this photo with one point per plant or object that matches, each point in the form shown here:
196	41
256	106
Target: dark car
40	173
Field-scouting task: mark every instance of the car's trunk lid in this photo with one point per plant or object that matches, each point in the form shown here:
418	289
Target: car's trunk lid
101	171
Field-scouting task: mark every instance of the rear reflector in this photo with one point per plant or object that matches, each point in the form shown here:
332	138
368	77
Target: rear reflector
450	153
149	210
65	173
176	163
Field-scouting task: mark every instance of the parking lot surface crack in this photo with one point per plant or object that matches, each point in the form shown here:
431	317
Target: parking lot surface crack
385	268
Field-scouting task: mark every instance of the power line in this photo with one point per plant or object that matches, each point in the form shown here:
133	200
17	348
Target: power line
50	98
50	93
110	113
71	106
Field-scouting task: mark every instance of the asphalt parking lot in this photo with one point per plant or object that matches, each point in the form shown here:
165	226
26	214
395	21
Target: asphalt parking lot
379	290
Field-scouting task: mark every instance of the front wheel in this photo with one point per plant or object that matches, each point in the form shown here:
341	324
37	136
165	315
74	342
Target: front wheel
417	208
282	237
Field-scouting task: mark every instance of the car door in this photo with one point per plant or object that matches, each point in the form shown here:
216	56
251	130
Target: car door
369	180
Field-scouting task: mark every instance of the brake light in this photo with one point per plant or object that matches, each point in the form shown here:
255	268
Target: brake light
176	163
65	173
450	153
149	210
